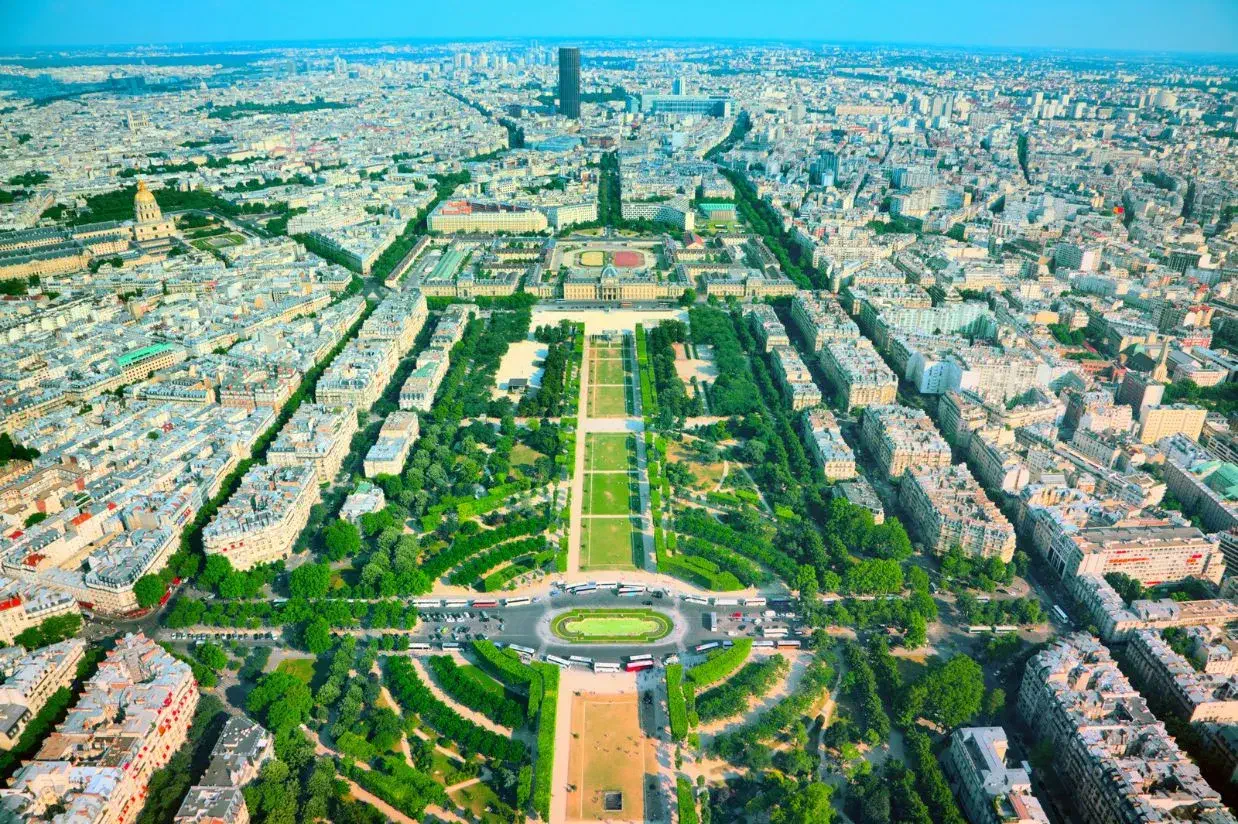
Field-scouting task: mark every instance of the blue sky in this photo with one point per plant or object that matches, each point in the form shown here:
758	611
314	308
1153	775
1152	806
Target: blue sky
1142	25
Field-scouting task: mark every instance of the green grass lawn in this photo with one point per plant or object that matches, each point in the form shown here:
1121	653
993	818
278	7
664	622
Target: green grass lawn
606	370
611	625
608	402
524	456
300	668
608	493
608	543
483	680
608	452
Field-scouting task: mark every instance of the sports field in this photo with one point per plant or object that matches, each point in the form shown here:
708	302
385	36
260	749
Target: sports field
608	452
592	258
608	759
607	543
611	626
608	493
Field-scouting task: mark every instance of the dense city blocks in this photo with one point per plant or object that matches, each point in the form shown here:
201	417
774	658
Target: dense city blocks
674	429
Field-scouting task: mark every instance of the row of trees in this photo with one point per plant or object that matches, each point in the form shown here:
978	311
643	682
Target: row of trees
469	691
731	697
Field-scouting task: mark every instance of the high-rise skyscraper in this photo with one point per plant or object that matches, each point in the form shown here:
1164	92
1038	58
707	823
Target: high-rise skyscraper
569	82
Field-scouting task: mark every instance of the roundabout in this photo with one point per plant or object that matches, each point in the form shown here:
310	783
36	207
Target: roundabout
611	626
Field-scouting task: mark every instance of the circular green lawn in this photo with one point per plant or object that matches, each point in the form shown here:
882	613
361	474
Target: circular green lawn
611	626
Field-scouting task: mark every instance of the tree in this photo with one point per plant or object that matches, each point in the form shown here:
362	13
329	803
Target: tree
309	581
342	539
688	297
994	703
810	804
917	631
953	692
318	635
217	568
149	590
212	655
283	698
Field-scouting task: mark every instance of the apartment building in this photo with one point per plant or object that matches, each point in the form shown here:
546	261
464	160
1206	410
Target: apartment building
24	604
836	459
1150	553
358	375
1115	620
795	379
1156	422
395	440
316	435
30	680
858	374
260	522
900	437
766	326
820	319
1117	758
947	508
243	747
1192	695
132	717
990	789
399	319
423	382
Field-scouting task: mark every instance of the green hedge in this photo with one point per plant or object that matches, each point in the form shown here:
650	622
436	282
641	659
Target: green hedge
479	565
543	770
721	664
675	701
508	668
686	796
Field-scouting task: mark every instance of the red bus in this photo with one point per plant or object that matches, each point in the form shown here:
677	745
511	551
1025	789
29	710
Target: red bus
637	666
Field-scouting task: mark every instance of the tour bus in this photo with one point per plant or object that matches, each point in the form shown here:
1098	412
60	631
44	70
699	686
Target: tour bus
726	602
606	584
768	642
1061	615
580	659
637	666
637	587
627	592
640	657
789	642
692	599
450	645
754	602
605	666
583	589
525	650
516	602
711	621
1005	628
484	604
418	645
562	663
774	632
451	603
708	645
423	603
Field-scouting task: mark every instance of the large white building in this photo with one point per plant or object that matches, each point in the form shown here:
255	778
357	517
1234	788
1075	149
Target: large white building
260	522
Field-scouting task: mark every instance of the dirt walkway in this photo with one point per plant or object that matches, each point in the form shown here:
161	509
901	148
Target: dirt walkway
576	504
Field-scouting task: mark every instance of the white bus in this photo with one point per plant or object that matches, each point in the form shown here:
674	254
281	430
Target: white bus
606	584
708	645
692	599
424	603
583	589
1000	628
525	650
452	603
450	645
1060	614
628	592
789	642
516	602
774	632
754	602
562	663
641	657
633	587
769	642
726	602
580	659
418	645
605	666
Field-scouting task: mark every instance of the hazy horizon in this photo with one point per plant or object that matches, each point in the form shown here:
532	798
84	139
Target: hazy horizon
1190	27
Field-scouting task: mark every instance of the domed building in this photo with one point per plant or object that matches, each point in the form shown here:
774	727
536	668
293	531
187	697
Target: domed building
150	227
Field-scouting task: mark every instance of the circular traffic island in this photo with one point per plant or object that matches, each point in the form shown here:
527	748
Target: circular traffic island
611	626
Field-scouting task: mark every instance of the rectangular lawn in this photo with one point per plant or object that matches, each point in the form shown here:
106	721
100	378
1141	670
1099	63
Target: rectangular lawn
608	402
607	543
608	493
608	452
606	370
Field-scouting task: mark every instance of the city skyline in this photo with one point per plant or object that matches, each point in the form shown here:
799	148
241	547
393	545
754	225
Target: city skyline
1196	27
